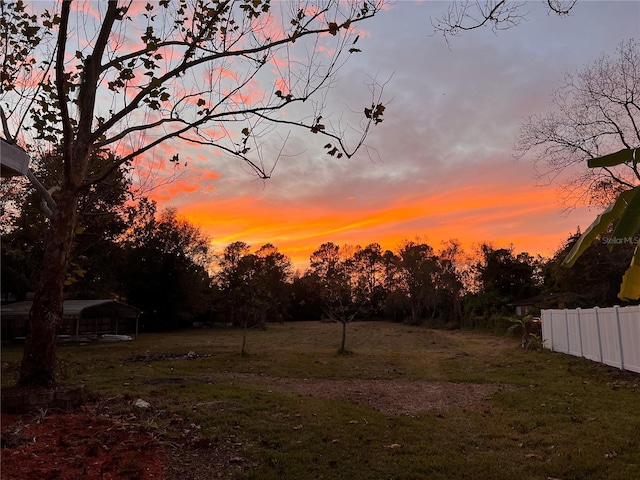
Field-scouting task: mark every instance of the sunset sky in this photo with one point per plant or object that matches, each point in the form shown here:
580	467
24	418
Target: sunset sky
440	166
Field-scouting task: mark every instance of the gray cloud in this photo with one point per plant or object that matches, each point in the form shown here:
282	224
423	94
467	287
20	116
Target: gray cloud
451	120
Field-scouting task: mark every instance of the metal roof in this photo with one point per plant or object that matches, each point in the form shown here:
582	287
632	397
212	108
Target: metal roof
13	160
76	308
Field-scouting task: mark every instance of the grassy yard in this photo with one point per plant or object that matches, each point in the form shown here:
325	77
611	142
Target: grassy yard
408	403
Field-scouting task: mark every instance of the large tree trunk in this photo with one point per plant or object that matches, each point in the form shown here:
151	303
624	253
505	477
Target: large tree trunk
38	363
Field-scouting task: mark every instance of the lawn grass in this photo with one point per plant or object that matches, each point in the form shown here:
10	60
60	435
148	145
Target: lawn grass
561	417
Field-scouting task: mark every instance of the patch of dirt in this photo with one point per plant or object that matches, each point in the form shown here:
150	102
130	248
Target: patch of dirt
161	357
404	397
396	397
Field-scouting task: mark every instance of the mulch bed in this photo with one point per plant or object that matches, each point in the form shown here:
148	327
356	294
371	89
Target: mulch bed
77	445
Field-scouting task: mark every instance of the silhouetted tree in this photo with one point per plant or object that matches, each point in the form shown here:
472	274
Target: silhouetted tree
418	269
166	269
500	277
509	275
449	280
368	268
274	271
332	271
94	257
594	279
230	278
253	285
305	304
396	303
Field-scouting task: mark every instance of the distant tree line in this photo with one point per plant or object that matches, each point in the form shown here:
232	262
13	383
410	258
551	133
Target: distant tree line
164	265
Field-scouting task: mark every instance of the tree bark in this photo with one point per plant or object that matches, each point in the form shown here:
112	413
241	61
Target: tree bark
45	318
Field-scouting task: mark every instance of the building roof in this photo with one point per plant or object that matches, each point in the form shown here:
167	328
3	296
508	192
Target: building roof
77	308
13	160
540	298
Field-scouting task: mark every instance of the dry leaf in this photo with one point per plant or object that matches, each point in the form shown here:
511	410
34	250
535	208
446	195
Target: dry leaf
534	456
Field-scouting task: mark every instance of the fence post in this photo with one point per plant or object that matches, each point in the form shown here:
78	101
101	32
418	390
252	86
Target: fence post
566	328
580	332
595	309
616	307
551	328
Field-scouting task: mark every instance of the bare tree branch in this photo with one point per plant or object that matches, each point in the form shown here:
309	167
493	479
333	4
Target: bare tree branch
592	115
466	15
48	205
61	87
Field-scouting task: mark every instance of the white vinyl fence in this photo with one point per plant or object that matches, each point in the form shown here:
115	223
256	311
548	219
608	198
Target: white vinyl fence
607	335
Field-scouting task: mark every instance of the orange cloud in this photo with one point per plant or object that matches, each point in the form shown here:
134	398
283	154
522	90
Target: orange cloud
524	217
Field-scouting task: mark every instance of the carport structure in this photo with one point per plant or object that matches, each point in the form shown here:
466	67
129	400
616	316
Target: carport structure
81	319
13	160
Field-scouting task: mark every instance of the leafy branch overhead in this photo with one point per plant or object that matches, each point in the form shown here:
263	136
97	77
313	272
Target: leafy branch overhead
189	72
373	114
625	214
